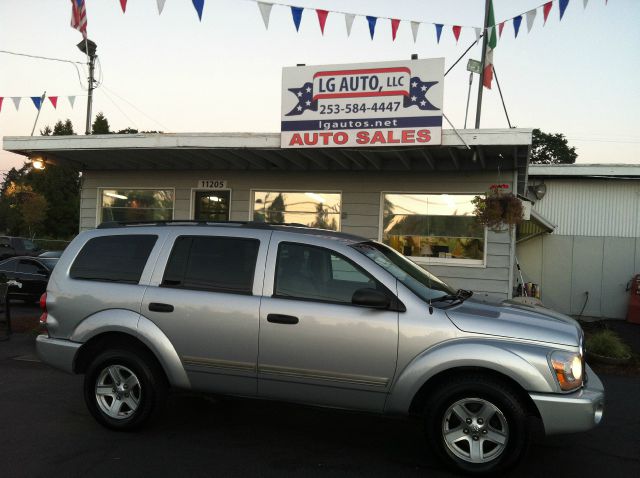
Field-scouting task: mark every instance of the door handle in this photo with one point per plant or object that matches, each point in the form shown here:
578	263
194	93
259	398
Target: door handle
158	307
282	319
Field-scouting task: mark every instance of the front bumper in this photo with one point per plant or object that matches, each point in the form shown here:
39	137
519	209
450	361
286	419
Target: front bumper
57	353
573	412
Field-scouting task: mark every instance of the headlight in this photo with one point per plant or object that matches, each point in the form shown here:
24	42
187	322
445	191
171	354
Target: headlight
567	367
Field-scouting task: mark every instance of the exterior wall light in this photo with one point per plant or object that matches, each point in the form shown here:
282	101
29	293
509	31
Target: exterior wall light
37	163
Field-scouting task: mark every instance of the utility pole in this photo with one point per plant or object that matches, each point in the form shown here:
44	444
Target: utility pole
89	48
482	63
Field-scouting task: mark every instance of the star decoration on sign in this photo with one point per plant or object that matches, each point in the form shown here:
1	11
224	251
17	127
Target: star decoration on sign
305	100
418	94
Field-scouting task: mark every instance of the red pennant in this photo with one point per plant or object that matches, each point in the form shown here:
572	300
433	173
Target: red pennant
500	28
1	98
322	18
456	32
54	101
123	4
546	8
395	23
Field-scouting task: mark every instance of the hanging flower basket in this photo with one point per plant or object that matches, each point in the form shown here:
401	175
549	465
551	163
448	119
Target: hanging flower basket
498	209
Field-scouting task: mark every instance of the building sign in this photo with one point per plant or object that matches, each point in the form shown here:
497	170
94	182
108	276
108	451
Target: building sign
395	103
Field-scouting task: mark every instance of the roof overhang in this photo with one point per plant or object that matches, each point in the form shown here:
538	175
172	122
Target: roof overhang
464	150
608	171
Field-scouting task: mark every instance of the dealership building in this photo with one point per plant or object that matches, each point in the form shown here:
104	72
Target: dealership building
417	198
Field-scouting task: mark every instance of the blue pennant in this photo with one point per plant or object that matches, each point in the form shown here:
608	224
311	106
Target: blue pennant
199	5
438	31
296	13
563	6
516	24
372	25
37	101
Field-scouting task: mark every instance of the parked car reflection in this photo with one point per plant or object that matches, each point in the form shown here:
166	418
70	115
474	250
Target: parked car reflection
30	274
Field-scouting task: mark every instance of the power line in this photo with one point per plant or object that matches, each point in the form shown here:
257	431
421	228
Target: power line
61	60
135	107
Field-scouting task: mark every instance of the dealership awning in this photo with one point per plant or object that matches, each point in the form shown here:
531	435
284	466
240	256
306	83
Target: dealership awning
462	150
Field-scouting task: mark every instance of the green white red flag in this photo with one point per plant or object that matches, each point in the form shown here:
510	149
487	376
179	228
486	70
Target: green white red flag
492	42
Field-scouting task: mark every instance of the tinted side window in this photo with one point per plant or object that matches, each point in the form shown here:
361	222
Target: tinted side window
223	264
113	258
309	272
9	265
29	267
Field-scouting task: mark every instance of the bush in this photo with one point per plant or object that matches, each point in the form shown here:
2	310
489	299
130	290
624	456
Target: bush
607	344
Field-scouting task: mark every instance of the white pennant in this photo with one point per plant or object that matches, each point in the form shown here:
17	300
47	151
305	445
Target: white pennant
415	26
265	11
477	33
16	101
585	3
348	19
72	100
160	6
531	16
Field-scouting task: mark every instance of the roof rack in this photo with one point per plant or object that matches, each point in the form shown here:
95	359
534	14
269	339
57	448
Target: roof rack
188	222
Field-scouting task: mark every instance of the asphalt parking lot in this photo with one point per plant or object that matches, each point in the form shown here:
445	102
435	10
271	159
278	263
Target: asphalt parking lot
45	430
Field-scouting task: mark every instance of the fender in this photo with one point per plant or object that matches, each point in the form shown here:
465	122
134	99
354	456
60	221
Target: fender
134	324
524	363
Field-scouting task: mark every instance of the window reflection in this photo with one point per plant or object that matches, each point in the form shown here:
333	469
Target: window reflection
137	204
432	225
313	209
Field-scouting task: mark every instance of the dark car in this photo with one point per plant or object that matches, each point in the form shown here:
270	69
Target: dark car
17	246
31	275
50	254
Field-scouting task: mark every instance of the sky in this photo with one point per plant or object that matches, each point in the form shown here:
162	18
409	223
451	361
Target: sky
173	73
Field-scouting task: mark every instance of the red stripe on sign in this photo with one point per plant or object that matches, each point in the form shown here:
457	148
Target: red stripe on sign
358	72
361	95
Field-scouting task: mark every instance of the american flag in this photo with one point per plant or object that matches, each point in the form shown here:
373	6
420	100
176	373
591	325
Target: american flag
418	94
79	16
305	100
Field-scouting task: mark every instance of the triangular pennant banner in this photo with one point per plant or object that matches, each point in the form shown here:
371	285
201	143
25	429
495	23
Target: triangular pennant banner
395	23
438	31
348	20
477	31
585	3
37	101
16	101
500	28
456	32
72	100
160	6
199	6
123	4
372	25
296	13
415	26
563	4
54	101
516	24
265	11
546	8
322	18
531	16
1	98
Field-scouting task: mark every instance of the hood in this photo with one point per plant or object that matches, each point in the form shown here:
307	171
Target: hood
516	320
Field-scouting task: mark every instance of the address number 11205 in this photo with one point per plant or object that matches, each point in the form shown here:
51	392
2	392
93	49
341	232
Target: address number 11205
212	184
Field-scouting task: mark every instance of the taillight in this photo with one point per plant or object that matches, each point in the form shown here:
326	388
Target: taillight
43	307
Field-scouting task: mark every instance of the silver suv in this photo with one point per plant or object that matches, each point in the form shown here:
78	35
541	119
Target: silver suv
318	317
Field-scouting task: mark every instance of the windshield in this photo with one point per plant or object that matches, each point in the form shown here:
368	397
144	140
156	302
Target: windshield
424	284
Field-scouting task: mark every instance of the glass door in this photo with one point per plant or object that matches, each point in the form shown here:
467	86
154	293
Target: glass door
212	206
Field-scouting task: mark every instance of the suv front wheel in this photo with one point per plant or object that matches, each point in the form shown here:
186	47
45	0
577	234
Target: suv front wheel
477	424
123	389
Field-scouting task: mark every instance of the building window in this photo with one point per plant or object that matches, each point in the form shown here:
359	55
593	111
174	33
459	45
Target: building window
137	205
313	209
433	228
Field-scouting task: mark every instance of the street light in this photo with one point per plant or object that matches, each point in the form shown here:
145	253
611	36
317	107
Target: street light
88	47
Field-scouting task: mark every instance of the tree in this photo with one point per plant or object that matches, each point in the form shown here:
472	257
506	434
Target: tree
548	148
23	210
100	125
63	129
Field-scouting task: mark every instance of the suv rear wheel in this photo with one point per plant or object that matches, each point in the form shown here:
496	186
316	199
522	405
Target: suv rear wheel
477	424
123	389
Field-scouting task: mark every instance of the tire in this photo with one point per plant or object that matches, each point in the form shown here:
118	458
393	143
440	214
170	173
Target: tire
124	389
477	424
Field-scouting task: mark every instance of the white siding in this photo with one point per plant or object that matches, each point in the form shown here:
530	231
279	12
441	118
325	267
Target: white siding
592	207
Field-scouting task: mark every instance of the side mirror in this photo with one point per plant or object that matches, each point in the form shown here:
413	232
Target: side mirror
373	298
